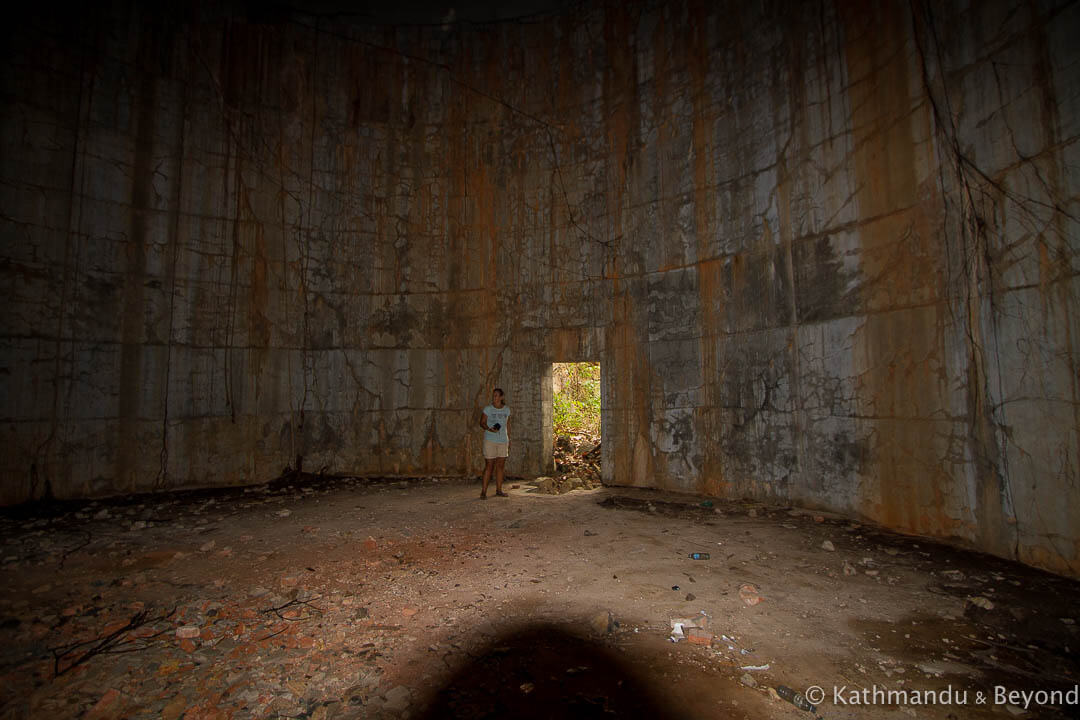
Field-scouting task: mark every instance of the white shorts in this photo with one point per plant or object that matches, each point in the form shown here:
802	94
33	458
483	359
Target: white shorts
495	449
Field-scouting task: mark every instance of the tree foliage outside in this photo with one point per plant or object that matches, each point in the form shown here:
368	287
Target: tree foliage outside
576	398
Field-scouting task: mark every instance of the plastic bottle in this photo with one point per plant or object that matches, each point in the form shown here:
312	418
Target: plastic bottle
795	698
699	556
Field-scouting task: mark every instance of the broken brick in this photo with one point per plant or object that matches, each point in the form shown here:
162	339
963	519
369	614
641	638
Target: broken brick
749	595
699	636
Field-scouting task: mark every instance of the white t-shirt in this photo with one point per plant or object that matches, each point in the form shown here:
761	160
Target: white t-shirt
500	416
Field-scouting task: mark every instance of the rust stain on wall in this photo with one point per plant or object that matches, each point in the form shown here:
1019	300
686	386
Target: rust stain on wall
372	241
899	352
711	285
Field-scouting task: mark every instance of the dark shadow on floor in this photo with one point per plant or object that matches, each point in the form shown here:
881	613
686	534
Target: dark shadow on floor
543	671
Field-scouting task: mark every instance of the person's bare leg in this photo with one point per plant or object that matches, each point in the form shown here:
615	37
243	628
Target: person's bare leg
488	465
500	475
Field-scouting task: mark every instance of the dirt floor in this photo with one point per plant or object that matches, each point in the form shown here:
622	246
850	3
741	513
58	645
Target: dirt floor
345	598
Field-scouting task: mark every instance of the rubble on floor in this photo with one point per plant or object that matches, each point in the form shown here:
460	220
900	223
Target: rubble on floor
577	466
393	598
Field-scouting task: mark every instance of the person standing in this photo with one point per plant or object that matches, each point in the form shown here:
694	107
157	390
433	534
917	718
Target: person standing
496	424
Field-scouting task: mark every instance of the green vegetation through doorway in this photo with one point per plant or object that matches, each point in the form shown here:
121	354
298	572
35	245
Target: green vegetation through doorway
576	402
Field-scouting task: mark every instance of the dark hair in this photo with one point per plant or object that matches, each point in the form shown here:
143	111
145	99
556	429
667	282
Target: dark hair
500	391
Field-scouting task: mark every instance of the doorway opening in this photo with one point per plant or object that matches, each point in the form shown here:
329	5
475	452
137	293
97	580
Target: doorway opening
575	420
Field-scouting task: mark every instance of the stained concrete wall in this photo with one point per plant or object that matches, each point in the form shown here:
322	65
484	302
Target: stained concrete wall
825	252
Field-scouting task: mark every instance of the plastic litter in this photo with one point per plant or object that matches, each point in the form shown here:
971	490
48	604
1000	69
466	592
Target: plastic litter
795	698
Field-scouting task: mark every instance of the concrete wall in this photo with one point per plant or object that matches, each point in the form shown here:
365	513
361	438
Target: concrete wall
825	252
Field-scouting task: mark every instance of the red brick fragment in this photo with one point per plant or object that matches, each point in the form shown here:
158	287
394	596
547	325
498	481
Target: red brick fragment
699	636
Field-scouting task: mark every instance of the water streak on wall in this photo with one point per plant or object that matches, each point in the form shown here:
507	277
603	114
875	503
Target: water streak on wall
825	251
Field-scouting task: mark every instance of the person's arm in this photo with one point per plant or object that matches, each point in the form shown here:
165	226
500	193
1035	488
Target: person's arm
507	429
483	422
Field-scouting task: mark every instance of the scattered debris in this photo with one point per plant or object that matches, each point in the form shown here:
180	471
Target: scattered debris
828	546
701	620
114	639
698	636
682	627
749	594
748	680
317	622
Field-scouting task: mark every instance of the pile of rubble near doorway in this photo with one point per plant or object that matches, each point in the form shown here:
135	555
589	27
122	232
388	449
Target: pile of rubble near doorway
577	465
